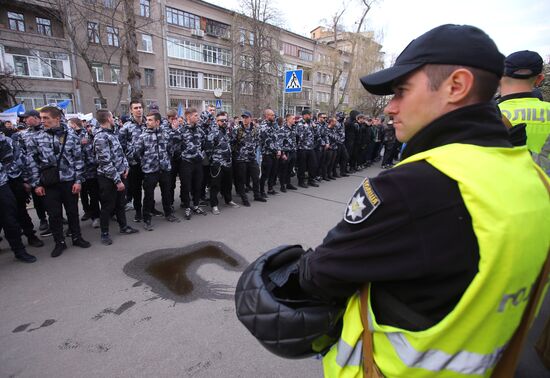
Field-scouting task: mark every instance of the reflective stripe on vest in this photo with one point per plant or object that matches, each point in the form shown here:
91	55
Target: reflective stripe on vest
436	360
349	355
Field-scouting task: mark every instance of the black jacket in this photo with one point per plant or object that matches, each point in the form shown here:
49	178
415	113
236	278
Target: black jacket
418	248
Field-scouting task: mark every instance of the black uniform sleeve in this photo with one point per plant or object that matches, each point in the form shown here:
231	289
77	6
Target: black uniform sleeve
420	231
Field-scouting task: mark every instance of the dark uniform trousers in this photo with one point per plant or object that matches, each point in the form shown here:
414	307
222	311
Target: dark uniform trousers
111	201
270	168
57	197
150	181
244	170
38	203
286	166
135	181
191	180
321	160
89	196
174	173
221	179
306	161
389	152
342	159
330	163
21	196
8	219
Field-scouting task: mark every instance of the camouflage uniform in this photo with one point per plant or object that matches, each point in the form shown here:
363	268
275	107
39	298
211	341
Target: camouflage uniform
8	204
306	156
319	143
288	143
269	145
128	135
342	154
19	175
152	149
218	148
245	143
43	151
112	164
191	141
89	195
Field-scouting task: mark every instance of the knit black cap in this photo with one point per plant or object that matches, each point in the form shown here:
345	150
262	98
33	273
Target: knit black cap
306	111
462	45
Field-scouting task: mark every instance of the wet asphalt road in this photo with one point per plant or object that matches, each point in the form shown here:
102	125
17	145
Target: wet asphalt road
97	312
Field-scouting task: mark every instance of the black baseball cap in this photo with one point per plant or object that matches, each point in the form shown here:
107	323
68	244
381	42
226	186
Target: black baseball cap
306	111
462	45
246	114
31	113
529	62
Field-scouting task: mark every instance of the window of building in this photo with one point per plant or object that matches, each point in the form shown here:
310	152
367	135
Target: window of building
93	32
306	55
289	49
148	77
97	103
109	3
178	17
115	74
112	36
35	100
217	28
247	62
97	69
35	66
44	26
145	8
146	43
247	88
212	82
183	79
16	21
184	49
216	55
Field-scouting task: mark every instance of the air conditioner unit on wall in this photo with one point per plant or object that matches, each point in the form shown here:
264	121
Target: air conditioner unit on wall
197	33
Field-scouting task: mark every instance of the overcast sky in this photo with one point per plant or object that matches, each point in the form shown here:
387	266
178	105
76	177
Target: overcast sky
513	24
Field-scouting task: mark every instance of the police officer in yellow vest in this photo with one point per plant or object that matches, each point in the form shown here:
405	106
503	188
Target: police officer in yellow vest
450	241
522	73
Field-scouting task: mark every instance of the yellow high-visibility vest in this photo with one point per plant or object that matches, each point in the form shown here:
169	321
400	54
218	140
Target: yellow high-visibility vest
510	211
534	113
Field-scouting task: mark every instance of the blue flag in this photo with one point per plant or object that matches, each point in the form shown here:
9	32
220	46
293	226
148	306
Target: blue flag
180	110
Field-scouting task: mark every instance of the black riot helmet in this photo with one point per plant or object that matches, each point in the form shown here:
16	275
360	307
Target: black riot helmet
284	319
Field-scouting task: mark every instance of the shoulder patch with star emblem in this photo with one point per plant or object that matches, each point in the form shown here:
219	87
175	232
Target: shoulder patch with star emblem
363	203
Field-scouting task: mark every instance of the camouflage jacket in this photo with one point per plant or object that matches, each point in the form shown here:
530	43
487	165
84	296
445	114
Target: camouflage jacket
190	141
88	155
152	149
287	138
340	132
269	138
19	166
333	139
128	135
44	149
207	122
245	143
111	160
218	146
319	135
306	137
6	158
27	134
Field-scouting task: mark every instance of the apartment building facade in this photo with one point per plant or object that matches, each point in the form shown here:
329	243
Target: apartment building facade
191	54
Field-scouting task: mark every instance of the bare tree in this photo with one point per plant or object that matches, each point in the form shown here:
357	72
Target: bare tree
545	87
10	87
257	59
134	74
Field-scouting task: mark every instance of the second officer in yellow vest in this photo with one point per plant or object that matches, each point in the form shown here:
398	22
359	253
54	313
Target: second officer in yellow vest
436	239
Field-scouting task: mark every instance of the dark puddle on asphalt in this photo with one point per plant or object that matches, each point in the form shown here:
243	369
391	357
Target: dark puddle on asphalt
172	273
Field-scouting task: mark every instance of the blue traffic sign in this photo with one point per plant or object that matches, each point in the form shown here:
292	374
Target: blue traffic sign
218	103
293	81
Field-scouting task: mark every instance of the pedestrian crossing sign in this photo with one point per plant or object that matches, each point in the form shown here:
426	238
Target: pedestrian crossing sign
218	103
293	81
